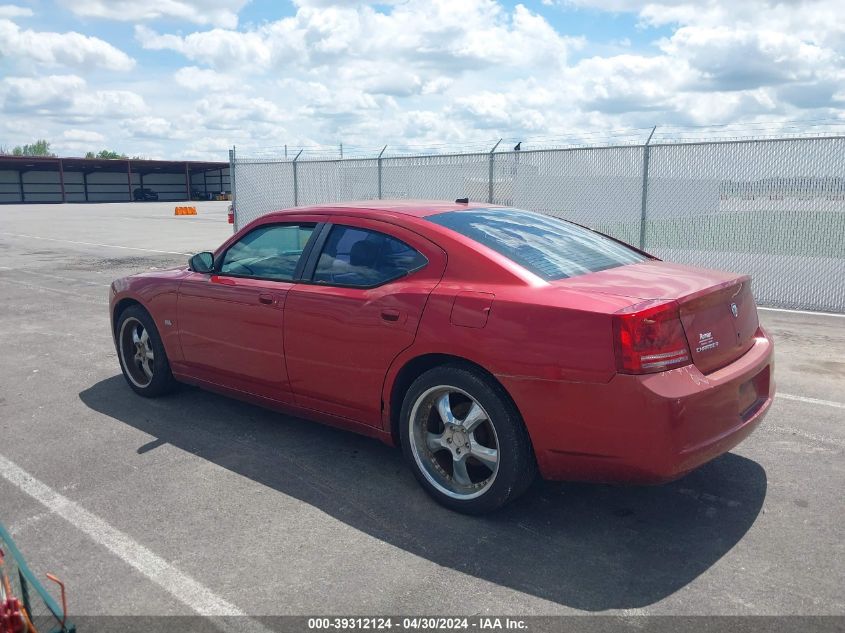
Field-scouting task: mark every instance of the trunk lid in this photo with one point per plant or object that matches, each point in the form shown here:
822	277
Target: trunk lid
717	308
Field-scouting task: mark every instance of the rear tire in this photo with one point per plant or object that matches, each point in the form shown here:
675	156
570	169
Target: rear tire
141	353
464	440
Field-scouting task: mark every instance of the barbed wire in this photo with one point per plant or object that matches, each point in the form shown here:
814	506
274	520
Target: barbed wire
669	133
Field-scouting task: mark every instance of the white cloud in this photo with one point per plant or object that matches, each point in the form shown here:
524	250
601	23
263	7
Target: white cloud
777	56
67	98
82	136
816	21
152	127
437	85
733	58
207	148
370	72
14	11
203	79
351	70
221	48
717	107
625	83
235	112
107	104
428	34
214	12
415	71
60	49
43	95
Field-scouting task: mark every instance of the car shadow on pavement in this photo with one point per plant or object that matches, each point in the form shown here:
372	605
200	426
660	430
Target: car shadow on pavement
587	546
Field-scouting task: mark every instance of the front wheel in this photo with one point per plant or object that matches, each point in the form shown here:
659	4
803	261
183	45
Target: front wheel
464	440
142	356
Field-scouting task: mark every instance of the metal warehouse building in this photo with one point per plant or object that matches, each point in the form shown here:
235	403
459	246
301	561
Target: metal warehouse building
47	179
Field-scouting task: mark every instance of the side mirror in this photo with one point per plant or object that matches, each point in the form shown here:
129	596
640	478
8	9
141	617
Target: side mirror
202	262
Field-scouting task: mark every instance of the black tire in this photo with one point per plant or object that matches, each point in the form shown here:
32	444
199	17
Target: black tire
516	466
161	382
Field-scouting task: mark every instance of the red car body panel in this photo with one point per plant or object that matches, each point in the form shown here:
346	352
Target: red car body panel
249	357
334	354
355	333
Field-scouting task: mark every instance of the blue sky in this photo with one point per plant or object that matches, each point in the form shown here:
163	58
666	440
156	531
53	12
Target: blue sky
191	78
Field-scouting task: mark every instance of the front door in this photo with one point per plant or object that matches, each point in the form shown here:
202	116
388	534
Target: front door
231	321
356	309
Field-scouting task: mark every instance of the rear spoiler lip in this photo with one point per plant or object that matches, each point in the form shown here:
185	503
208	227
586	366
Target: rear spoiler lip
684	302
688	302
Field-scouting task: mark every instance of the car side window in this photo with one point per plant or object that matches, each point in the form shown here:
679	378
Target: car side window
268	252
363	258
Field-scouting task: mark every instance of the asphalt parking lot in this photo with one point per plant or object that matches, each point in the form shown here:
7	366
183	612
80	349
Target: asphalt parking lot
171	506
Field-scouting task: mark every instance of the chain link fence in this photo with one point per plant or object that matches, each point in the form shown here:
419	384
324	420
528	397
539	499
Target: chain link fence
773	208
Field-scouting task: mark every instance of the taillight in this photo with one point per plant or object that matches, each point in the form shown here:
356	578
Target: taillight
649	337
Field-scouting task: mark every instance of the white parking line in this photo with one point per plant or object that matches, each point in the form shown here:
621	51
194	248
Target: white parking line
826	403
810	312
791	430
60	277
221	219
128	248
180	585
80	296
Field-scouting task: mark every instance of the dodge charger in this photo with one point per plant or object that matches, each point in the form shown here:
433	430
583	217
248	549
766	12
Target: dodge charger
492	344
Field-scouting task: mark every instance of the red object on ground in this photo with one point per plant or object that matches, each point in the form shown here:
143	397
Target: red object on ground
635	373
11	618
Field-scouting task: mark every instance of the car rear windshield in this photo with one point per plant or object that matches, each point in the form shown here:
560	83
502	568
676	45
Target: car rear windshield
547	246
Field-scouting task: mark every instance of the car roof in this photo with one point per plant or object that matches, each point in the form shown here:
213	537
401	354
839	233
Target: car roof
414	208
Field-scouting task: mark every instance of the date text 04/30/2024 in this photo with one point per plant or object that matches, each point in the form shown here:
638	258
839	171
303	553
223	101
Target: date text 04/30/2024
416	623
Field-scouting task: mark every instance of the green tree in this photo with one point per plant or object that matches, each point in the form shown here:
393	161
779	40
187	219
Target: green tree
105	153
40	147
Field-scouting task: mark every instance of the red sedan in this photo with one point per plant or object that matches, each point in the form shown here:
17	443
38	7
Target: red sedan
491	343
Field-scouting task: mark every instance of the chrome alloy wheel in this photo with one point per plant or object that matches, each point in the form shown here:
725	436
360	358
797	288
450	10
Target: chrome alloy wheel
453	442
136	352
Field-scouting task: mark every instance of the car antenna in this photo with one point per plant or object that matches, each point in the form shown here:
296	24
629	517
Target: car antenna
462	200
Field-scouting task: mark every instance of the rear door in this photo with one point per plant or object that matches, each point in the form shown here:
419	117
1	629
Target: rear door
231	321
359	304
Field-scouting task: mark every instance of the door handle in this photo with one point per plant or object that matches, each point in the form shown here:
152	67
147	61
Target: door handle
266	299
389	314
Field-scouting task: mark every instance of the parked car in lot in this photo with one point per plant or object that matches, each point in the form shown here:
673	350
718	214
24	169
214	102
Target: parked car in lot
142	193
490	343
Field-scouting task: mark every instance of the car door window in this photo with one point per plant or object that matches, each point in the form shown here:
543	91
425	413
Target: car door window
268	252
363	258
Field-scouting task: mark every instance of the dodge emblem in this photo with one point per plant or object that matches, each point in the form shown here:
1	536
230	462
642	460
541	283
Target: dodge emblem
734	310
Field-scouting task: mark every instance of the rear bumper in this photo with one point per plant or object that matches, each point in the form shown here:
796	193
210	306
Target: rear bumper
645	429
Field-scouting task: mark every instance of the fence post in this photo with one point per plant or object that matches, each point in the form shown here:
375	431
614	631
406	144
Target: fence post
490	176
646	152
62	181
232	187
295	182
379	170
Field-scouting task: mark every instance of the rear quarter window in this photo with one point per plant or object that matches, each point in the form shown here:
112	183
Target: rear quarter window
549	247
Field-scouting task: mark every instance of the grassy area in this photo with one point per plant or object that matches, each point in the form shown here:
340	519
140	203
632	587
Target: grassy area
814	233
